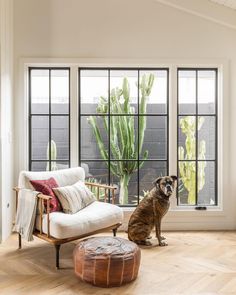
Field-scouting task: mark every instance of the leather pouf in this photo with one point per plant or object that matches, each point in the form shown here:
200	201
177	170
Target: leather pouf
107	261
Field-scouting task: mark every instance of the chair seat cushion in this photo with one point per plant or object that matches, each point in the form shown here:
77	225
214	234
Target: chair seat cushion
96	216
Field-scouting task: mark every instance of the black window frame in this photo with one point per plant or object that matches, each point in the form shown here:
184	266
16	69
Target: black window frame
196	115
49	115
166	115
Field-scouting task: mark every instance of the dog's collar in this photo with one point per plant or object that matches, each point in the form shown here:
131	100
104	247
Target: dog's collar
161	195
163	198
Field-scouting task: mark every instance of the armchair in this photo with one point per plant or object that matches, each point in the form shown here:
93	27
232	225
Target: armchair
59	228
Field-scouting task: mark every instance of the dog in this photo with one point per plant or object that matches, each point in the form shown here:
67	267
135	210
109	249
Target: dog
150	212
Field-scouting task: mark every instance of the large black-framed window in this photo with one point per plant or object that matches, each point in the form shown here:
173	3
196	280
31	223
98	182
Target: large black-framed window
49	118
197	139
107	82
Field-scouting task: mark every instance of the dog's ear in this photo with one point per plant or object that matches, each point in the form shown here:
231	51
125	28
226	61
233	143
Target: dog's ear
174	177
157	181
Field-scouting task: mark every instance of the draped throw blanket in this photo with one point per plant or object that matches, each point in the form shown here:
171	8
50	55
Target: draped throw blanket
26	213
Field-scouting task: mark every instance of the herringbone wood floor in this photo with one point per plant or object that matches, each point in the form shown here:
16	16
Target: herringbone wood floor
193	263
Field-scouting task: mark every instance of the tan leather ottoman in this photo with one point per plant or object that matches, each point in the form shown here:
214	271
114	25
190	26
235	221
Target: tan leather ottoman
107	261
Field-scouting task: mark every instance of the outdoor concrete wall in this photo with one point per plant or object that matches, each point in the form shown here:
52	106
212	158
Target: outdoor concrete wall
155	141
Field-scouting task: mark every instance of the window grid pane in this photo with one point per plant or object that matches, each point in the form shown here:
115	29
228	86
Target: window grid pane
111	116
197	138
49	118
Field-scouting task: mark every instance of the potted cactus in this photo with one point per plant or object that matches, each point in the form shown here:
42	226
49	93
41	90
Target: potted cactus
123	143
187	169
53	156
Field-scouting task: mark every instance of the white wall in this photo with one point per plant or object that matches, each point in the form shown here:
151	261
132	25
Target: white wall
6	118
140	29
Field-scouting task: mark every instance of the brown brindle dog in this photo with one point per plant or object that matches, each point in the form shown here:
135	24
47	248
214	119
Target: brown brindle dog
150	211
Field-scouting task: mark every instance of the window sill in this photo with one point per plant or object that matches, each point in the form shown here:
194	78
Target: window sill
187	211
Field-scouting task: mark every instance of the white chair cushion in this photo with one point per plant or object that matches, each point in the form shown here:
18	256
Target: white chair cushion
63	177
96	216
74	197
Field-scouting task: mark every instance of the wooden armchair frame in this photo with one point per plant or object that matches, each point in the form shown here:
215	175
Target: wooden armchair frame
58	242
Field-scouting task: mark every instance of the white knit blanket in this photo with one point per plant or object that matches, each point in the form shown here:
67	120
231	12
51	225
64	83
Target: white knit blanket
26	213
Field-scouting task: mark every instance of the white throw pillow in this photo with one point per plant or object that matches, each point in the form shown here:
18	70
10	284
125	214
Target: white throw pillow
74	197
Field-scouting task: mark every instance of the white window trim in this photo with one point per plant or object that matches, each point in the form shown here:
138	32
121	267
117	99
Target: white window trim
178	217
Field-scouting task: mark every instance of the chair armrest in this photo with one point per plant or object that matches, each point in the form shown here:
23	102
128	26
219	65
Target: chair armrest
16	189
44	197
105	187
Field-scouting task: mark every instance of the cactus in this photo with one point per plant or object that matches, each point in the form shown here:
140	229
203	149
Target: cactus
53	156
187	170
123	144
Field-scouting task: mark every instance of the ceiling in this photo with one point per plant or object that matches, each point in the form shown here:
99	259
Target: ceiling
228	3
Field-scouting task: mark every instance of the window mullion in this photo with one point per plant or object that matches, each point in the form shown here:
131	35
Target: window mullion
50	122
138	176
74	118
196	142
109	132
173	120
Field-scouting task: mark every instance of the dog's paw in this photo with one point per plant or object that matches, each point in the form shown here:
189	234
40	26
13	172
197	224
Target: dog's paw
144	243
148	243
163	244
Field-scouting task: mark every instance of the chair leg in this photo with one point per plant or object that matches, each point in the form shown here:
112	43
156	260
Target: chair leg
114	231
57	255
19	241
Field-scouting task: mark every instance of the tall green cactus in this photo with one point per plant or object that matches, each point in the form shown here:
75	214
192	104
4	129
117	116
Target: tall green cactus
187	169
53	156
123	144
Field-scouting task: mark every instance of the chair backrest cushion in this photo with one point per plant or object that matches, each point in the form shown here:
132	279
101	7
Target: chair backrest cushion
46	187
63	177
74	197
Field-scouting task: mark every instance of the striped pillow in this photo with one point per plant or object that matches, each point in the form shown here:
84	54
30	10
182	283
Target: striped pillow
74	197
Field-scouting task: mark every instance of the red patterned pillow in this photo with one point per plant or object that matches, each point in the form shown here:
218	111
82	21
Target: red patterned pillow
45	187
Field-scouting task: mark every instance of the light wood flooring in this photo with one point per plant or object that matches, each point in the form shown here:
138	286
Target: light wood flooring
193	263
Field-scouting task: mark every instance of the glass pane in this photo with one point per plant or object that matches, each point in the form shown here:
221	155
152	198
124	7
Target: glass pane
60	91
187	138
187	92
39	166
127	183
119	93
150	171
60	165
157	100
39	137
60	138
206	138
97	172
206	92
206	183
123	137
155	137
39	91
187	183
93	86
89	141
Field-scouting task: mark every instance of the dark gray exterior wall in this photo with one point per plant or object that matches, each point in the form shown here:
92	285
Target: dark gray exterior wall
155	142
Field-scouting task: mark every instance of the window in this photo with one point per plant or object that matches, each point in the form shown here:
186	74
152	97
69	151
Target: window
197	137
49	118
124	128
121	128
